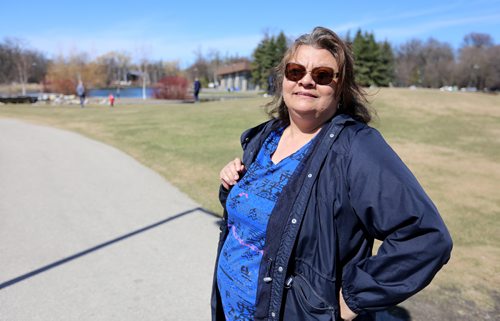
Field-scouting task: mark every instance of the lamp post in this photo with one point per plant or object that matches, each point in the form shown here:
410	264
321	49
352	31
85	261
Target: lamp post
475	69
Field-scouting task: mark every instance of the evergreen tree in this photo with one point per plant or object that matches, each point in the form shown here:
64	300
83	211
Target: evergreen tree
372	56
373	62
281	46
261	61
348	38
266	56
386	64
361	51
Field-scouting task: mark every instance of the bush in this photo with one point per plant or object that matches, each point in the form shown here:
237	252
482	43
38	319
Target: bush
64	86
171	87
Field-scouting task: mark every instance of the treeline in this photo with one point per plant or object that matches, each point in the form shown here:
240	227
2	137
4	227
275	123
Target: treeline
18	63
21	64
435	64
429	63
113	69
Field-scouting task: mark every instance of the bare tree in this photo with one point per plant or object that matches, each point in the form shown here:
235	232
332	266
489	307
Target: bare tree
7	70
172	68
438	64
493	79
205	66
23	60
64	73
409	63
478	40
115	66
200	68
215	59
429	64
475	63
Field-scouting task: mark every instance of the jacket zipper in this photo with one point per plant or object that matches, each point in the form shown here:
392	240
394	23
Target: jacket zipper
267	277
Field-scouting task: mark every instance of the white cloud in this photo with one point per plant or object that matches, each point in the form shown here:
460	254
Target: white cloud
417	29
353	25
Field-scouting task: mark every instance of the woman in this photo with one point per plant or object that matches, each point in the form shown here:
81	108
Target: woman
315	187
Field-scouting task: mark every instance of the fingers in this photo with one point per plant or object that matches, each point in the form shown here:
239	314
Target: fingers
345	312
231	173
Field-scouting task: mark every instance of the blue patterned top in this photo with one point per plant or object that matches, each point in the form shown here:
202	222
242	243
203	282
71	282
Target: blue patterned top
249	205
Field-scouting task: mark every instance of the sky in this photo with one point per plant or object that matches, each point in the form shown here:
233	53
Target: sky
177	30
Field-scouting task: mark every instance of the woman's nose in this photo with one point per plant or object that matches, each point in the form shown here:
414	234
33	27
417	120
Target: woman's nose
307	80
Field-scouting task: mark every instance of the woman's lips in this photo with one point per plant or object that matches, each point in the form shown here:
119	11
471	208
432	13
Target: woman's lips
305	94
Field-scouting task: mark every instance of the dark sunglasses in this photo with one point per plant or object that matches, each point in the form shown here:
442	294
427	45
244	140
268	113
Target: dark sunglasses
320	75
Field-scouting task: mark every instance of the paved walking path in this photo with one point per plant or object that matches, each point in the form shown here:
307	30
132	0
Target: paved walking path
88	233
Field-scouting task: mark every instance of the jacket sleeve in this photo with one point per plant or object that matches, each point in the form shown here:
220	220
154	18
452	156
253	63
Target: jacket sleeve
394	208
223	194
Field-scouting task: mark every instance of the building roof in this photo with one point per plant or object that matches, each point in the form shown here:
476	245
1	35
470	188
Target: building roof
235	67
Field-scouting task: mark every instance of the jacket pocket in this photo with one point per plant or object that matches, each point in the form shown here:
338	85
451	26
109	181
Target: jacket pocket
302	302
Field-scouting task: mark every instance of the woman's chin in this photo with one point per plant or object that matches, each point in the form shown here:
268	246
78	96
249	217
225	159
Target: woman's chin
304	115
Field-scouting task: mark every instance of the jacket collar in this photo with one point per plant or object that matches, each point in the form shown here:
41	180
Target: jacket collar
274	123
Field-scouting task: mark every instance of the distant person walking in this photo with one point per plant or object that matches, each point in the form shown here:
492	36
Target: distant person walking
80	92
270	84
197	88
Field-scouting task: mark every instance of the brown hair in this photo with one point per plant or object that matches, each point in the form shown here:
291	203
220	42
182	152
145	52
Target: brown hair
352	98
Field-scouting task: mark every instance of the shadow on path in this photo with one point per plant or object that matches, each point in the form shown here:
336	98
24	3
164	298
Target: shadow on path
100	246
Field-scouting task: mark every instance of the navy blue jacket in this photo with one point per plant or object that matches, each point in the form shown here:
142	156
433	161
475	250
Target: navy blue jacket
351	189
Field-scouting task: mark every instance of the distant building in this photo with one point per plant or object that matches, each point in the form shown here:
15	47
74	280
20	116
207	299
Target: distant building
236	76
134	75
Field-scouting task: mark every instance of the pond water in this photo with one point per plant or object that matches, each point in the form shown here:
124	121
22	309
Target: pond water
129	92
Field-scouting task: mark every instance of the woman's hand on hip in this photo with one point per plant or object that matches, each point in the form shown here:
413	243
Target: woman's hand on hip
231	173
345	312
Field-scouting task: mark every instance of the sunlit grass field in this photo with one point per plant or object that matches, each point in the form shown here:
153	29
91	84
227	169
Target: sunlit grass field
451	141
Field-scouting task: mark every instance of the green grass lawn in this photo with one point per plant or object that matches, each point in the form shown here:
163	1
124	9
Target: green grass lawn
451	141
186	143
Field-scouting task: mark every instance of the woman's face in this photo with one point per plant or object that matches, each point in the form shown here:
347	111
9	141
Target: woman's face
306	99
